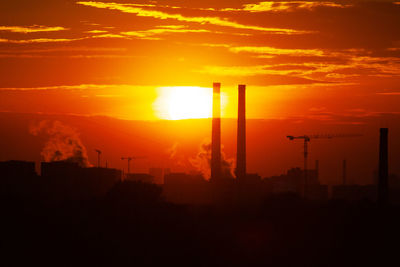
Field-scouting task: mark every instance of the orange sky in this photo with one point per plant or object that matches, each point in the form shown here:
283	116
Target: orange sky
325	62
110	57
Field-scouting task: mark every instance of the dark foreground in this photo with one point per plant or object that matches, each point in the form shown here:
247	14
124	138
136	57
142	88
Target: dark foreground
134	226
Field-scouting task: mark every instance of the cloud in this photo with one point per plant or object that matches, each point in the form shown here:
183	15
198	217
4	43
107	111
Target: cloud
389	93
243	70
103	56
296	70
202	20
63	87
323	65
66	52
321	71
272	6
67	49
96	31
39	40
31	29
167	29
110	35
84	87
62	40
276	51
109	96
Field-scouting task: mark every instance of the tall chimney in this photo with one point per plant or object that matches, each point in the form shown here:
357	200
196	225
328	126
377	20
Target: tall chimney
383	167
317	169
241	135
216	133
344	172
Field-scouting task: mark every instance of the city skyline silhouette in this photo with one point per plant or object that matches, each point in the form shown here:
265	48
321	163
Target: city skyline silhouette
199	133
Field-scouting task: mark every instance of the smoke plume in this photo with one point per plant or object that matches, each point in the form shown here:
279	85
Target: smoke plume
63	144
202	162
172	150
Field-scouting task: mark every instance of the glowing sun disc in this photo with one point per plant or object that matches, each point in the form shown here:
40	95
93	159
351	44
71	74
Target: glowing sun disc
184	102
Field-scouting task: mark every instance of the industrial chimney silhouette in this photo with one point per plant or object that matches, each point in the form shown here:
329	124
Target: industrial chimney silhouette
216	133
383	167
241	135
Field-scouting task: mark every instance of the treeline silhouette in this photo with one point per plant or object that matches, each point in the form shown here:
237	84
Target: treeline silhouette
132	224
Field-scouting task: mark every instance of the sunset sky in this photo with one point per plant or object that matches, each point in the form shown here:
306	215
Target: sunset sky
110	58
333	62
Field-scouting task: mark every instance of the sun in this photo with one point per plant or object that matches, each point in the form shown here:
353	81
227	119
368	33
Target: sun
184	102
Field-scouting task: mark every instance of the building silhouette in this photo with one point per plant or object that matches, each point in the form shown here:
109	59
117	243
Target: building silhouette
159	174
69	180
182	188
355	193
140	177
292	182
18	178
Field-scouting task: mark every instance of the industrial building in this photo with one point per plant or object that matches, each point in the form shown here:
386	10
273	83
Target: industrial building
140	177
159	174
69	180
182	188
18	178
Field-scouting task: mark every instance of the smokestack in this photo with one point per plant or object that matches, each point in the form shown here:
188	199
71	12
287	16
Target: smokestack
344	172
241	135
383	167
216	133
317	169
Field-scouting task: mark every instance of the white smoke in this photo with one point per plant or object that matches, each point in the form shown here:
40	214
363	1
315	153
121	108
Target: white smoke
173	150
202	162
63	144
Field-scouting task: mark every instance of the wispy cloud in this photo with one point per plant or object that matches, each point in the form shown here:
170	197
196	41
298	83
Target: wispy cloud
100	56
39	40
81	87
97	31
389	93
244	70
266	50
316	63
110	35
62	87
31	29
272	6
306	70
141	12
166	29
66	49
62	40
321	71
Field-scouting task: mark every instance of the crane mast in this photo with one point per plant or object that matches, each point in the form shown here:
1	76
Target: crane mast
307	139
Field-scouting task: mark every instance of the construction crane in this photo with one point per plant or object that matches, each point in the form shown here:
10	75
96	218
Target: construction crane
129	159
307	139
98	157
